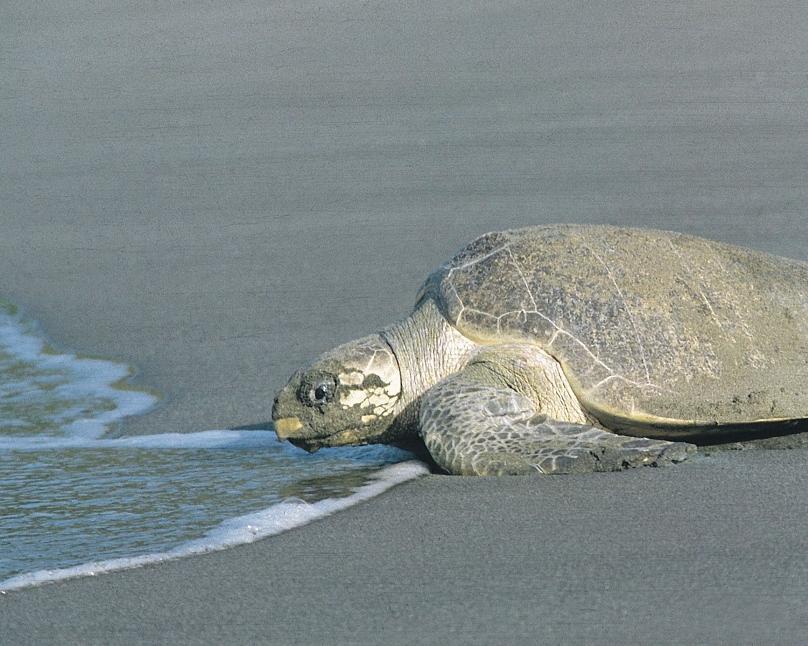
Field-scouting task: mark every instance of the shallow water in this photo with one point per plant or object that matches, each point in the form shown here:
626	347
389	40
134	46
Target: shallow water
68	496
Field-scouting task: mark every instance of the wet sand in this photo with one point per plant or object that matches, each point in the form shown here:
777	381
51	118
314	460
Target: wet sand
712	552
217	194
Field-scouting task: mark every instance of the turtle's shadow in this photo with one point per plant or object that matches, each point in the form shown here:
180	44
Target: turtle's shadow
259	426
414	446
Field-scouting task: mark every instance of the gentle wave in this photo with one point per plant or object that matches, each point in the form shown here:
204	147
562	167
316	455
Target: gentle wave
234	531
69	494
200	440
45	395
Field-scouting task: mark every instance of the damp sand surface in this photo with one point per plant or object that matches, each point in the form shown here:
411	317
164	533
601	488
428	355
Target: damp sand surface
76	502
712	552
215	194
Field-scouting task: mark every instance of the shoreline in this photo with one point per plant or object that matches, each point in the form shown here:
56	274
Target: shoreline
232	532
667	556
216	195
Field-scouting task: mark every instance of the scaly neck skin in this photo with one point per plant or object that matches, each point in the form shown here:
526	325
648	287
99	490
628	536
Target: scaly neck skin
428	349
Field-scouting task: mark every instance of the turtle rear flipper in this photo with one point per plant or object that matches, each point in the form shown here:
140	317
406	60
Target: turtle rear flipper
472	427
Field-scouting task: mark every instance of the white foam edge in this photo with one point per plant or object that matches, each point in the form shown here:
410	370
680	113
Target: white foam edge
239	530
94	377
215	439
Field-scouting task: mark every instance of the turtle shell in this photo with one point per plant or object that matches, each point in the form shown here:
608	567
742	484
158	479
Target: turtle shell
652	328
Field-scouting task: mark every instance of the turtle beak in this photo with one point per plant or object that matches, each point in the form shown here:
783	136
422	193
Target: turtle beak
285	427
287	424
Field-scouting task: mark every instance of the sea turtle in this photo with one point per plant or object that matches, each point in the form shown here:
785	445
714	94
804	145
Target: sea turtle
568	349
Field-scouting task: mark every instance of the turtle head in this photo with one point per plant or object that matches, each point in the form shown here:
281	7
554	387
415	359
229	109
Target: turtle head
349	395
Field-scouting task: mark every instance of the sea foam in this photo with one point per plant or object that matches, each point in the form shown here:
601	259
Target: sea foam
46	396
52	403
234	531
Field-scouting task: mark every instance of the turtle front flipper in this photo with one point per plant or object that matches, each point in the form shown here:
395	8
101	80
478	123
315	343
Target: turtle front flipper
472	426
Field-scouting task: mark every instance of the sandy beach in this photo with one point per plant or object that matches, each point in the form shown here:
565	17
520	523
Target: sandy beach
216	194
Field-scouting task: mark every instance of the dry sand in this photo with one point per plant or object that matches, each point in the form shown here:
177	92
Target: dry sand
217	192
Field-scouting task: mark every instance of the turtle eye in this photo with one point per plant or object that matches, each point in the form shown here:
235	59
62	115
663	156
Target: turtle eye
322	392
317	389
